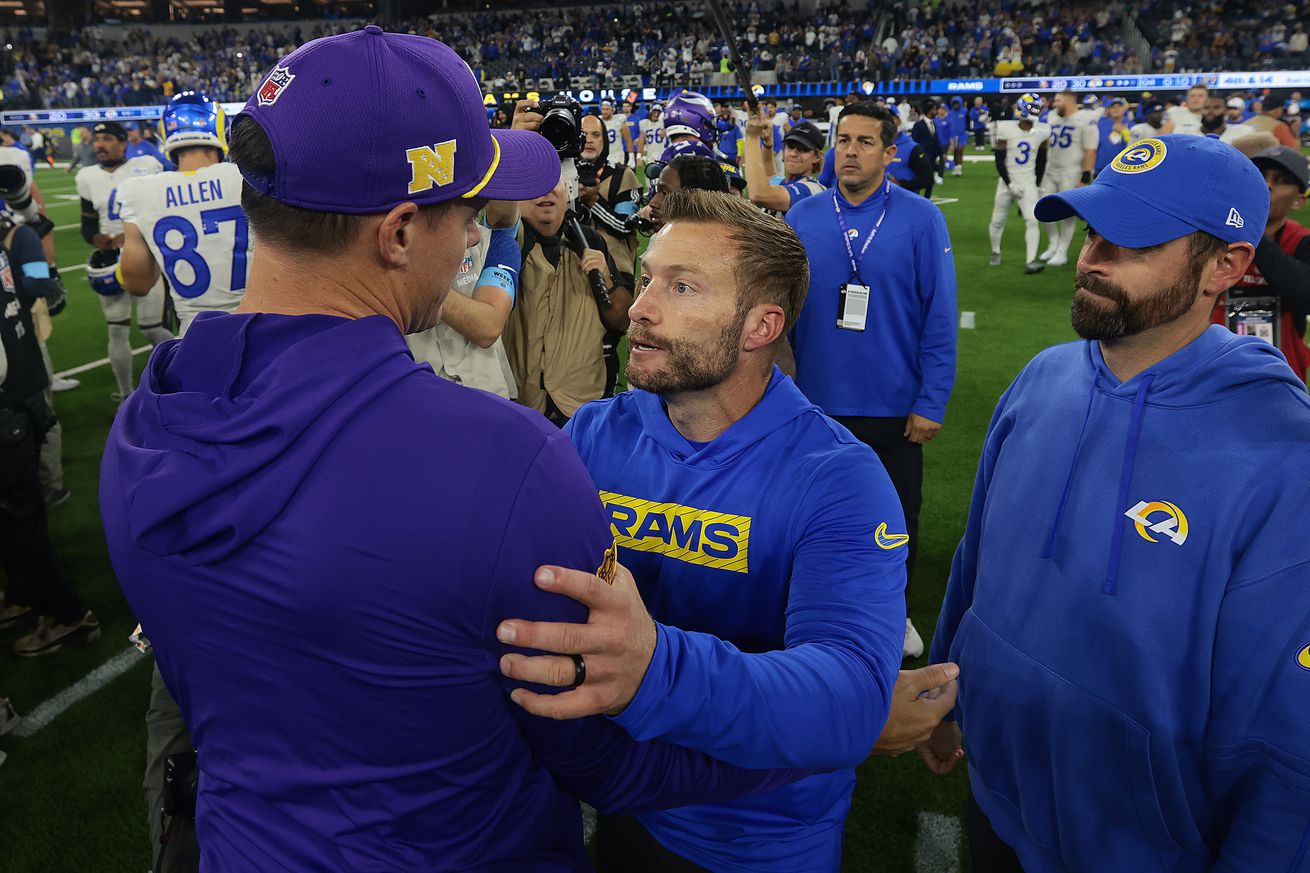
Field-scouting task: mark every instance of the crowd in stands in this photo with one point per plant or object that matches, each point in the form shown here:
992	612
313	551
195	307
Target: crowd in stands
1006	39
139	69
676	43
1228	35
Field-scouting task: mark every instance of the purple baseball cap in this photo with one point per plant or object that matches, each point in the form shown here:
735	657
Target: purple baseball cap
422	129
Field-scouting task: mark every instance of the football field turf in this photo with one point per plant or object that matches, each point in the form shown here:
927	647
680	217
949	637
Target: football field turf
70	797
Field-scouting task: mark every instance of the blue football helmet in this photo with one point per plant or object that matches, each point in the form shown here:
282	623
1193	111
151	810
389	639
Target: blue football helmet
191	118
1028	106
102	272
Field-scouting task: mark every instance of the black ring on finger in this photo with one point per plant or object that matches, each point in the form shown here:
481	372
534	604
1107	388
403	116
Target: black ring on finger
579	670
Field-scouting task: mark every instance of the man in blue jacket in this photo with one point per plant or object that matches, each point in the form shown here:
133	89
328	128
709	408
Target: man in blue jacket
875	343
326	626
763	530
1129	605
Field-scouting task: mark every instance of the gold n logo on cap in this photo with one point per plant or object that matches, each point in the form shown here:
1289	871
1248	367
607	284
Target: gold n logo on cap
431	165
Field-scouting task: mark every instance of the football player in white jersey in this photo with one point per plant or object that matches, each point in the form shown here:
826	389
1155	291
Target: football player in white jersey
1152	115
653	140
1188	118
1214	121
616	129
102	227
1021	149
1072	157
188	225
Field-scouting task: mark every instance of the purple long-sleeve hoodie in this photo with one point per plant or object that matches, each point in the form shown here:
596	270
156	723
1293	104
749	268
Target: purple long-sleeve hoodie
320	537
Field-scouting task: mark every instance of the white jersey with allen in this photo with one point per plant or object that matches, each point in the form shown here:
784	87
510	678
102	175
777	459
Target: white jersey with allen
1070	137
98	185
1021	147
197	232
653	139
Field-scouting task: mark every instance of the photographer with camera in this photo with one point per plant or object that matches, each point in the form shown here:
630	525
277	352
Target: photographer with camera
37	589
573	303
21	194
610	194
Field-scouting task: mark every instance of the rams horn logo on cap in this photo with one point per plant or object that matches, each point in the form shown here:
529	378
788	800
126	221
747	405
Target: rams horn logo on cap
277	82
1139	157
1303	657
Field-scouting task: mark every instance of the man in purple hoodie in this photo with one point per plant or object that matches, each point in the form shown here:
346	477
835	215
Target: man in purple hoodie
319	536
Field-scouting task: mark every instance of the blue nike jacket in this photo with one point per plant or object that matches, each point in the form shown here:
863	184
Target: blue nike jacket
904	360
1130	610
774	558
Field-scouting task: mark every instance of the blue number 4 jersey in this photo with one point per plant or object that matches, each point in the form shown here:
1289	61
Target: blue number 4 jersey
197	232
774	557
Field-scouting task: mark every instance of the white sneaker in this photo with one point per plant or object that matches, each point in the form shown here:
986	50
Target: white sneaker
937	179
59	383
958	171
1046	255
913	642
1058	261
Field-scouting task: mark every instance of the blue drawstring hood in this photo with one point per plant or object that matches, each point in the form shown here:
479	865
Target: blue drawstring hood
1125	476
1215	342
1170	715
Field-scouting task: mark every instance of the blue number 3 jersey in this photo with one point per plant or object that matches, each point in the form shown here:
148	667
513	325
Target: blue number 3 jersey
774	557
197	232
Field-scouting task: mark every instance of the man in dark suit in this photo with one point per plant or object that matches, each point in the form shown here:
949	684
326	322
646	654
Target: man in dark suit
925	134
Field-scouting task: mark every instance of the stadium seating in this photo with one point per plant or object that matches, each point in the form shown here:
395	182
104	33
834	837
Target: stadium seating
668	43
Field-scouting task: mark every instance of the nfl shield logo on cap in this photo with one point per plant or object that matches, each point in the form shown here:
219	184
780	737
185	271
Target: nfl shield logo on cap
274	85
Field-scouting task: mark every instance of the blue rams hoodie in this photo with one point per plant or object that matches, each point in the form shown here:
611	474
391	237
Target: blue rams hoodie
778	549
320	537
904	359
1130	610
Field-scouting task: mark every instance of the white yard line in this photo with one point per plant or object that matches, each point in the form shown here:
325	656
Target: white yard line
79	690
937	845
100	363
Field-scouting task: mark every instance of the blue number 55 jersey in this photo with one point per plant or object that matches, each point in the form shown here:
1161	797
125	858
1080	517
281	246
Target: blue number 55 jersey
197	232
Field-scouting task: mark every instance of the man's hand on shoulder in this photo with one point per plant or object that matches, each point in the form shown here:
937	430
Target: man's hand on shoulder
920	700
616	646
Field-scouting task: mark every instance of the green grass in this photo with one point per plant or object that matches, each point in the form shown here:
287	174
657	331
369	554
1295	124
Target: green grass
70	797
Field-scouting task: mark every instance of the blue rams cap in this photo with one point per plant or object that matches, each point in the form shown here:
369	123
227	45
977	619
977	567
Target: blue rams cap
1163	188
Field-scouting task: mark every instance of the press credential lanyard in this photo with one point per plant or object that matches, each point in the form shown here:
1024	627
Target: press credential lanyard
853	299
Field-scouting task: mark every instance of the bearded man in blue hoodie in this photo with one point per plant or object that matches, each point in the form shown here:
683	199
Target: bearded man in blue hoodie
766	539
1130	604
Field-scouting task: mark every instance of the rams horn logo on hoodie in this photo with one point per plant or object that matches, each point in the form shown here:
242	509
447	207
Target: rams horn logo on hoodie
1173	525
